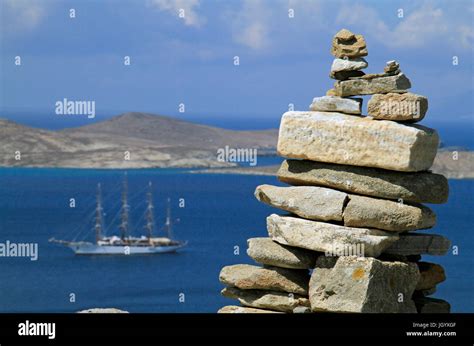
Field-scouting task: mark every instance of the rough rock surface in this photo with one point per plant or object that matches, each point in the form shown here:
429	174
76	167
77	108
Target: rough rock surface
387	215
268	252
356	64
357	284
369	85
427	305
310	202
326	237
422	187
391	66
233	309
345	75
398	107
424	293
345	139
246	276
336	104
346	44
419	244
272	300
323	204
431	274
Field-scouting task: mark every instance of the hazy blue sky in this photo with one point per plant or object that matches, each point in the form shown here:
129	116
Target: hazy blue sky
282	60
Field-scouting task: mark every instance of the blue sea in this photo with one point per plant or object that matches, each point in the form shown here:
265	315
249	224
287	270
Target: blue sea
218	216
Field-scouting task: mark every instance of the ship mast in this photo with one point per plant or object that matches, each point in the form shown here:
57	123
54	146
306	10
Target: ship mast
98	215
125	207
168	219
150	222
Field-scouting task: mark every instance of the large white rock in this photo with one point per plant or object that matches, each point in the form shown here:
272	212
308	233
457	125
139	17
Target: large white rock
327	237
345	139
336	104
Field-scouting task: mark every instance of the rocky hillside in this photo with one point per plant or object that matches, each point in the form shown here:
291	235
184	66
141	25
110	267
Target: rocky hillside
151	140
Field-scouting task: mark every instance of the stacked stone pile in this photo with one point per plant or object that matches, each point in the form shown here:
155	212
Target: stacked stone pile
356	228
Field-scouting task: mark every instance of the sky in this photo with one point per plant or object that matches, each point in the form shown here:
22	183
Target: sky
183	52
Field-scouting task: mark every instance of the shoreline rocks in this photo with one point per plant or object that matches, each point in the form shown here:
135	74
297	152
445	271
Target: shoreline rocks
103	311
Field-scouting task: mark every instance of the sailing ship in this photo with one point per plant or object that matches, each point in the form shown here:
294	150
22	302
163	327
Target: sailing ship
125	244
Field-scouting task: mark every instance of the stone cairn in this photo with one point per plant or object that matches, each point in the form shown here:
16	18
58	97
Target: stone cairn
357	186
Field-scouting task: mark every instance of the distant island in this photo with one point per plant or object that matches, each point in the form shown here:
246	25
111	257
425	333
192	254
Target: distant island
130	140
155	141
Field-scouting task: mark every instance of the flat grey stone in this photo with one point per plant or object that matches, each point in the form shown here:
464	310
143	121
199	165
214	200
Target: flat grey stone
379	85
387	215
269	300
268	252
327	237
422	187
337	104
246	276
310	202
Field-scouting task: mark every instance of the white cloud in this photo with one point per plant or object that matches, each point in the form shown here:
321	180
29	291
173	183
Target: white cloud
264	24
420	27
22	15
250	24
191	17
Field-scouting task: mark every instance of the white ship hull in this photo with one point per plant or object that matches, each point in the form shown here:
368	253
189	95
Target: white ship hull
93	249
126	244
